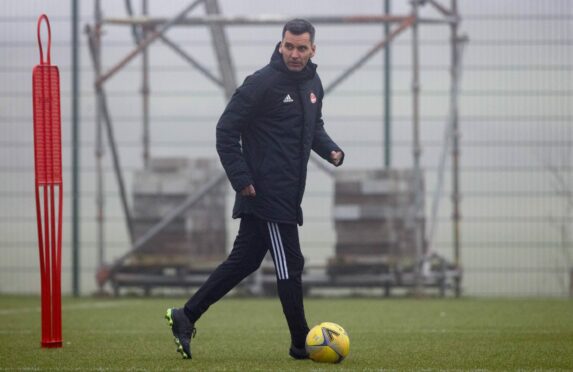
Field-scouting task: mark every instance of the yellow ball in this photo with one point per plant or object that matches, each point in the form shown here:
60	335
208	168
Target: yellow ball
327	343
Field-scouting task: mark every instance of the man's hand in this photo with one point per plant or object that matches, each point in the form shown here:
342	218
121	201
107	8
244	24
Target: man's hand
335	157
249	191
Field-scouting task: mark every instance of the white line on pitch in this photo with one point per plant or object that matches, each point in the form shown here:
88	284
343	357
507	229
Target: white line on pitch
84	306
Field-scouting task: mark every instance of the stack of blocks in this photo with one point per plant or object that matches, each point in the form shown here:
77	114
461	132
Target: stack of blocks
375	220
198	236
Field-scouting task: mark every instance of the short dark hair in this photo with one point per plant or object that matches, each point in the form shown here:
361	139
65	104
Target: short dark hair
299	26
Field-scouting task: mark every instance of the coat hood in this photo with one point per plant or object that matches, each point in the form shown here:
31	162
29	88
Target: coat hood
278	63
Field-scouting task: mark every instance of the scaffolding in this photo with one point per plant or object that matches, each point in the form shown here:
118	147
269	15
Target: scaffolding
147	30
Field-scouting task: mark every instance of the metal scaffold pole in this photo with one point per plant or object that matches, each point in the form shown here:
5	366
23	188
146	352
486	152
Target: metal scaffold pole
145	92
99	149
106	117
417	152
75	152
387	92
455	154
222	50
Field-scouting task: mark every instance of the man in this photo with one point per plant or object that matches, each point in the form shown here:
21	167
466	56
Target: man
264	139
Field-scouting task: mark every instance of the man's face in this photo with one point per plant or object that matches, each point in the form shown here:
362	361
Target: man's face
296	50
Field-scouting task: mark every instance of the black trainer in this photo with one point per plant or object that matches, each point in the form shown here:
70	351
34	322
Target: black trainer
182	329
297	353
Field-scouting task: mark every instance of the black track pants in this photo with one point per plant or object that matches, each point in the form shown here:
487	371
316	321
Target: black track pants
254	239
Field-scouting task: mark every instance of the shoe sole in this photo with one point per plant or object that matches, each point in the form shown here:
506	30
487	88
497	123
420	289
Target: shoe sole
169	317
298	356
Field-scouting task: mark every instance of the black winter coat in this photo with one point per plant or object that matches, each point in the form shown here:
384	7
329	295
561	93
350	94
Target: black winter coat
265	135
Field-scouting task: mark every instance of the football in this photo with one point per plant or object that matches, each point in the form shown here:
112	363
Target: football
327	343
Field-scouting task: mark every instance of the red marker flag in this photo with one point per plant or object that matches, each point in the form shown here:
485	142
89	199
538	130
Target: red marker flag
48	166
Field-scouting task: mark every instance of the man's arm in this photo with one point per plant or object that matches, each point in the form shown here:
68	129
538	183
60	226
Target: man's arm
234	119
323	145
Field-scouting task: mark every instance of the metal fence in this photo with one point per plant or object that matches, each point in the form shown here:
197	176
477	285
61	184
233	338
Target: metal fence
515	122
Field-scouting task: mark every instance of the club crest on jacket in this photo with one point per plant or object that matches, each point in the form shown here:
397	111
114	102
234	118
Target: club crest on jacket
312	97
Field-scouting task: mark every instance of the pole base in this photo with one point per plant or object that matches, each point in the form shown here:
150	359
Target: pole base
51	344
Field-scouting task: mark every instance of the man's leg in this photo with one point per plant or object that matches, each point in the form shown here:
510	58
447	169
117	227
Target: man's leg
289	264
247	254
248	251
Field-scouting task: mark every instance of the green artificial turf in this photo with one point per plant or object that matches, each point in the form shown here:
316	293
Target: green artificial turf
251	335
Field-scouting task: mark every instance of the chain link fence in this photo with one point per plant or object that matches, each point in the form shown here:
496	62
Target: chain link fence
515	122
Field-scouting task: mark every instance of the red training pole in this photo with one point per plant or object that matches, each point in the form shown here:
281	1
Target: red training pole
48	177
